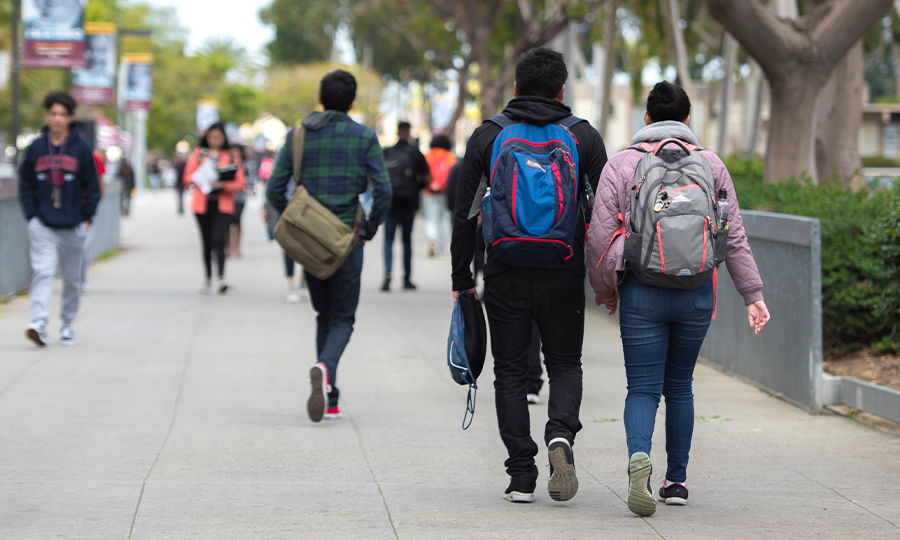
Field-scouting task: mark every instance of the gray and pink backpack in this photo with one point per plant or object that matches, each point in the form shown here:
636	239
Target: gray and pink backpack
675	237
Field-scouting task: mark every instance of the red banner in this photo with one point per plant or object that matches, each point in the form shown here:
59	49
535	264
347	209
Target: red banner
53	54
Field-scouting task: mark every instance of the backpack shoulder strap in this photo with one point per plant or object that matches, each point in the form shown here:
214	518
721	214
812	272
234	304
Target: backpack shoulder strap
502	120
642	147
570	121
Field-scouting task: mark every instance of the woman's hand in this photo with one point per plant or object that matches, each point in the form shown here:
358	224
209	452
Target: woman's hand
612	303
757	316
216	186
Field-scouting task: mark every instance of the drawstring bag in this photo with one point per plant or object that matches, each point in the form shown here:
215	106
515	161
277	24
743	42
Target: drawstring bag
467	347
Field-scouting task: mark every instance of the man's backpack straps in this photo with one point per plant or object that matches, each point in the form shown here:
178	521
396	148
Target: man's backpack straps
299	135
646	148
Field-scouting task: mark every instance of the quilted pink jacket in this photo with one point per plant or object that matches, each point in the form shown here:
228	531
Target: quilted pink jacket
605	241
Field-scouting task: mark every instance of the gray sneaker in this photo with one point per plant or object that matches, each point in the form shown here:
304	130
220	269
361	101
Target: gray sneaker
563	483
35	332
67	336
640	497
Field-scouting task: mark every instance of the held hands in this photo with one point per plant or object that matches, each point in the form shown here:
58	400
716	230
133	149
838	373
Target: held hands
757	316
612	304
216	186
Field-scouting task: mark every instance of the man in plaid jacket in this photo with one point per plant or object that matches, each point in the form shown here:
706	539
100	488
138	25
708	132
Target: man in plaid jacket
341	161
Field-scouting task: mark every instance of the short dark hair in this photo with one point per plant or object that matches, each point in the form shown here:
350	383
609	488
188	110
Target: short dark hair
541	73
337	91
218	126
441	141
668	101
61	98
404	125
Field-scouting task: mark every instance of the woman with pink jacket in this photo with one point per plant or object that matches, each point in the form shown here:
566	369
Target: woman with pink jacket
662	328
215	210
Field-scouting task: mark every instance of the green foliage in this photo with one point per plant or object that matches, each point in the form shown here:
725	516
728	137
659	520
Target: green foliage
880	161
303	30
860	250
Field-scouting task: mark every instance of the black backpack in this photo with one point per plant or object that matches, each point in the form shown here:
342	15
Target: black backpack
399	162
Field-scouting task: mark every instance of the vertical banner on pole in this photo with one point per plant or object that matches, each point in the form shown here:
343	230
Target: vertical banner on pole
94	84
54	33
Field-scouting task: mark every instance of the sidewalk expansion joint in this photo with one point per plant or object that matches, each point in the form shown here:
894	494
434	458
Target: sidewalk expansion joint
624	502
365	456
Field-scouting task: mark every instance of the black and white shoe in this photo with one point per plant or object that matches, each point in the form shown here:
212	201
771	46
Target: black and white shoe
520	491
35	332
674	495
563	483
67	337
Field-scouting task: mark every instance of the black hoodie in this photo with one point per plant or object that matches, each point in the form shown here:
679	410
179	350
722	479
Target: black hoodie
80	189
534	110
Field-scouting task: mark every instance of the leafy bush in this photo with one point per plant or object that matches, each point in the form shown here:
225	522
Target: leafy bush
880	161
860	251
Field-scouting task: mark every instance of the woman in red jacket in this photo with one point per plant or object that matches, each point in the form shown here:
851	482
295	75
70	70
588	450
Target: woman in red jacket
213	201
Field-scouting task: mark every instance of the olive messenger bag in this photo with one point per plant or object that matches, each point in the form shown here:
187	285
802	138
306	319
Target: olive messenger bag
309	232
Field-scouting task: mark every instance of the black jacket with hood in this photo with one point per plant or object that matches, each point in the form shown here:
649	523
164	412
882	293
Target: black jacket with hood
80	190
534	110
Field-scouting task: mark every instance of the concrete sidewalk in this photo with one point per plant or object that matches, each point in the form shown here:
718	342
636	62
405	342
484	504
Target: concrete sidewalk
183	416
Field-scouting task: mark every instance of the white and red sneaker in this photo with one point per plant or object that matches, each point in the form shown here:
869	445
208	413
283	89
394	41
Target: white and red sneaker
318	396
332	413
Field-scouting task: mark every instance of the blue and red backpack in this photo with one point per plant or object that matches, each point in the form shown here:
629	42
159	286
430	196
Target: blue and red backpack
530	210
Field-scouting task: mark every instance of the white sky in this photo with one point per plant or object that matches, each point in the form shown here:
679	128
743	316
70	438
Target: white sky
238	19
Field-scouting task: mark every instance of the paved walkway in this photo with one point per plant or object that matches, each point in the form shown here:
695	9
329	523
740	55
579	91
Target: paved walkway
183	416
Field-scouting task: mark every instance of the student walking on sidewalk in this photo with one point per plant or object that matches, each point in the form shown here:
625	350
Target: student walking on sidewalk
213	200
664	327
341	159
59	191
529	278
409	173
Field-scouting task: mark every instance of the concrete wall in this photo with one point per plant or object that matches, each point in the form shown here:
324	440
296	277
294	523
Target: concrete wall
15	268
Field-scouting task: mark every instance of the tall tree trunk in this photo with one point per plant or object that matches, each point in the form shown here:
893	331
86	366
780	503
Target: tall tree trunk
798	58
838	118
681	59
609	64
729	53
461	99
755	88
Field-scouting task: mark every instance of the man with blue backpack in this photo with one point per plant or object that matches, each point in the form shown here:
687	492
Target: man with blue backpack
530	170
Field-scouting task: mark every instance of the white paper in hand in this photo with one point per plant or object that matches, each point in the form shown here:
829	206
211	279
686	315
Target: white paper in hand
205	175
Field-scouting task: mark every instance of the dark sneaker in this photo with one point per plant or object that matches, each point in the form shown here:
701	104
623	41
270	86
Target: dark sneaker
408	286
35	332
675	495
563	483
386	284
518	495
67	337
318	396
640	498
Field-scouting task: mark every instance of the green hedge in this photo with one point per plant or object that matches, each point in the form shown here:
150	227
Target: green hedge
860	251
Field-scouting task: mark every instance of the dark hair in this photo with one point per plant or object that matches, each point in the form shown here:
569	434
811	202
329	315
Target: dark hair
668	101
404	125
541	73
337	91
61	98
441	141
217	126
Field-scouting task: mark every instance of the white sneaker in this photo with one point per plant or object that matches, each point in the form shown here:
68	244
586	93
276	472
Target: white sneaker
35	332
533	399
67	336
293	297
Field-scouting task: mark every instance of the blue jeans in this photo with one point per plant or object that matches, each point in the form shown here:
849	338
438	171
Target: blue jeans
405	219
335	300
662	331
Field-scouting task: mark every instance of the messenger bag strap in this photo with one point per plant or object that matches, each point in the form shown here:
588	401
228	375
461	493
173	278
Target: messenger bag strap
299	135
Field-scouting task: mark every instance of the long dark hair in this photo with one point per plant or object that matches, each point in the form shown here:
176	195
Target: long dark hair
668	101
221	127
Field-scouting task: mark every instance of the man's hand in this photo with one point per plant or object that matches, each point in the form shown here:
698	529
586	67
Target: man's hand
612	303
757	316
456	294
87	225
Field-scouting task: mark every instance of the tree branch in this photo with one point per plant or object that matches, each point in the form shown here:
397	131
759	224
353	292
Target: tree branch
843	25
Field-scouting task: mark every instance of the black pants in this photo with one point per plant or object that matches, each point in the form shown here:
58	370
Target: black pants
404	217
213	230
535	382
554	300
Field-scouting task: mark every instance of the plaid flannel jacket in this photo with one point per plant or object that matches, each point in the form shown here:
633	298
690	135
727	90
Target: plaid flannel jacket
339	162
